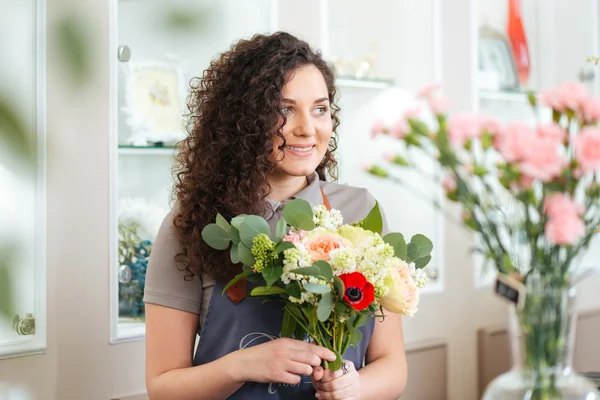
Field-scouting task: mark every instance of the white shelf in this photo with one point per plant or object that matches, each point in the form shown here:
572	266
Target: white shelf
364	83
146	151
129	330
510	97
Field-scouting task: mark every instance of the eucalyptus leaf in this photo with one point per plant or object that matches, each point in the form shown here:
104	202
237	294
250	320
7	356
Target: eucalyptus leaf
325	307
281	230
272	274
412	252
253	226
317	288
397	241
422	262
245	255
423	244
237	222
325	269
373	221
339	287
282	246
235	235
222	222
266	291
308	271
298	213
233	254
215	237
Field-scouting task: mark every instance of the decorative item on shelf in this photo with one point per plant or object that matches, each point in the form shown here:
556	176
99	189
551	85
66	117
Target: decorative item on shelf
155	102
518	40
133	261
139	221
355	67
548	174
497	69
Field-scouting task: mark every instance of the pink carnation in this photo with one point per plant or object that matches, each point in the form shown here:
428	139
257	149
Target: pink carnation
564	230
516	142
294	237
449	183
558	205
438	105
551	132
587	149
545	162
428	90
462	127
590	109
377	128
490	124
569	95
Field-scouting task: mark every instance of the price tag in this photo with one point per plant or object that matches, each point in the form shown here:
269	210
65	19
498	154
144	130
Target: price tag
511	289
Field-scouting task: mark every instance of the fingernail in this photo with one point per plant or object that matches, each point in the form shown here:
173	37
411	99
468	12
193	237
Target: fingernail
332	357
318	395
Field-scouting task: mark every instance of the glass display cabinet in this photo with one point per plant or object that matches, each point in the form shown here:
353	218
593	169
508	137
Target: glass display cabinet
158	47
22	179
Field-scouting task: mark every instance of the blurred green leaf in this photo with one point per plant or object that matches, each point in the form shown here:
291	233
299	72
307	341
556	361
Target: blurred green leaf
13	131
74	47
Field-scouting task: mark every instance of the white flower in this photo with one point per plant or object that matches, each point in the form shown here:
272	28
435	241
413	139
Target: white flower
420	277
328	219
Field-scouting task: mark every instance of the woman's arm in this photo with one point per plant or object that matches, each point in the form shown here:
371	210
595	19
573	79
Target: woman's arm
170	337
385	373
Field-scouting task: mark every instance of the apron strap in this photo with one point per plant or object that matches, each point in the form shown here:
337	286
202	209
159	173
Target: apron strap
239	291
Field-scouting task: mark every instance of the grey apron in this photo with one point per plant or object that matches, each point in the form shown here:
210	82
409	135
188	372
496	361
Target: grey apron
229	327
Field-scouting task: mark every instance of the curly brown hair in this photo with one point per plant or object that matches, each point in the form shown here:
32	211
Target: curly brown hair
223	164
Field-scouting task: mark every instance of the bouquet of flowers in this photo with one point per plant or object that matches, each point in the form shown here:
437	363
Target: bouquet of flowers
331	277
531	193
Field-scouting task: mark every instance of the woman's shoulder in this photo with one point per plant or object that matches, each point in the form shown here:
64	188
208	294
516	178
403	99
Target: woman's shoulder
353	202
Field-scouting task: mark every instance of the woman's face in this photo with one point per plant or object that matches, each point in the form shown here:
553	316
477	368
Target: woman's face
305	103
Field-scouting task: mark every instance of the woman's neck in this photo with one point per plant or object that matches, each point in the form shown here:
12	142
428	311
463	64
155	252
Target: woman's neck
284	187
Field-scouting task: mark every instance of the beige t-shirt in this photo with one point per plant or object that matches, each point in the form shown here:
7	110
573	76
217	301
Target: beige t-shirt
165	283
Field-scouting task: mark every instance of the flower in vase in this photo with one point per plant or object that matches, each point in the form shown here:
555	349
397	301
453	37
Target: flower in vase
546	162
564	230
590	110
558	205
358	292
516	142
587	149
462	127
377	128
427	91
449	184
568	96
551	132
438	105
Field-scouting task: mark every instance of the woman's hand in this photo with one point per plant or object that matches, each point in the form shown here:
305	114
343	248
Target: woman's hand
279	361
343	384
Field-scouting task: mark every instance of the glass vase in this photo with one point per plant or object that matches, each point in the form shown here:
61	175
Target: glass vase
542	333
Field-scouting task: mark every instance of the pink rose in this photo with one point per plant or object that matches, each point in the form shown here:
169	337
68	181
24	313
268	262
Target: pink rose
557	205
590	109
516	142
403	295
545	162
564	230
587	149
462	127
319	245
377	128
552	132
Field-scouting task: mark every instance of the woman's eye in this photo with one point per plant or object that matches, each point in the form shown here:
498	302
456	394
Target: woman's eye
285	110
321	110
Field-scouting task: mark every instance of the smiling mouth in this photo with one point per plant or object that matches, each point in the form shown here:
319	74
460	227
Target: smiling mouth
303	149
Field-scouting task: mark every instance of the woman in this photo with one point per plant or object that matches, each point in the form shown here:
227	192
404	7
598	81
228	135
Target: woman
261	131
